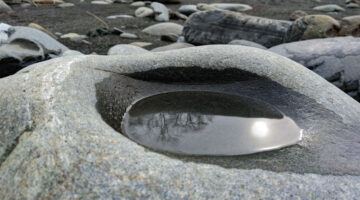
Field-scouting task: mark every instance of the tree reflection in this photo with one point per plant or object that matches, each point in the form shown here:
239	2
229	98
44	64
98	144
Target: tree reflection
167	127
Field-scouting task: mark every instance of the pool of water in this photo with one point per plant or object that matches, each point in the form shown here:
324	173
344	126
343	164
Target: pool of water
208	123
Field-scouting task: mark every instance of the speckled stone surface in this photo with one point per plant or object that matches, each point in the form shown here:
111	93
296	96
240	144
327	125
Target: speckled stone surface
56	141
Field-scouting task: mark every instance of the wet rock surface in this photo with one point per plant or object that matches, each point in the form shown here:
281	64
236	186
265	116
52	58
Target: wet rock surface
67	112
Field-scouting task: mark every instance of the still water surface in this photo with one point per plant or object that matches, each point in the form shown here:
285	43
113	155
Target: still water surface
208	123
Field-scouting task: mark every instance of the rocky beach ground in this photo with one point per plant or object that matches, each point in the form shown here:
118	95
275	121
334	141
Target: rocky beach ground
77	20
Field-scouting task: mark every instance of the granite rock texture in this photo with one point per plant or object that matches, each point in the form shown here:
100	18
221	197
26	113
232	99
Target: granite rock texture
59	139
335	59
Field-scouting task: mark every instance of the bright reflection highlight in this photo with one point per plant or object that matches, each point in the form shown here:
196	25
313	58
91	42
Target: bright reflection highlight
260	129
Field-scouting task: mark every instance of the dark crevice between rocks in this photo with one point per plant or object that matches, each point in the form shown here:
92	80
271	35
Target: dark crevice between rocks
190	75
327	139
9	66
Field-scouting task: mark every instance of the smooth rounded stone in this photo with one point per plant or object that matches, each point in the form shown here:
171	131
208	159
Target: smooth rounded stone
74	36
297	14
311	27
25	5
119	16
129	35
350	26
4	7
100	2
37	26
161	12
60	118
188	9
237	7
247	43
164	29
5	32
126	49
66	5
352	5
41	39
335	59
144	12
141	44
329	8
221	27
138	4
173	46
71	53
26	46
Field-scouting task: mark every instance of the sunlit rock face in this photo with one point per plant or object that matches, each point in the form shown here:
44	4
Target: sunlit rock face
61	134
205	123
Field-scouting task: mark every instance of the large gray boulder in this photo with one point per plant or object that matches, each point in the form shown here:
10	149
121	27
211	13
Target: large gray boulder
60	139
335	59
221	27
25	46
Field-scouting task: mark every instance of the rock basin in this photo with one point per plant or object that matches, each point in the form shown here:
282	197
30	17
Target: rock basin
59	138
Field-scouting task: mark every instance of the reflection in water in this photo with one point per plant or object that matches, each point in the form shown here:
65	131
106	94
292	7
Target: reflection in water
207	123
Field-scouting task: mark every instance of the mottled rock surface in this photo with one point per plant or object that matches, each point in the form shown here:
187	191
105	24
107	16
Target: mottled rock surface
221	27
350	26
335	59
59	139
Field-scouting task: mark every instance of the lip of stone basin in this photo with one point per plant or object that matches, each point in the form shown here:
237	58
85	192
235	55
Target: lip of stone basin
314	104
252	126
